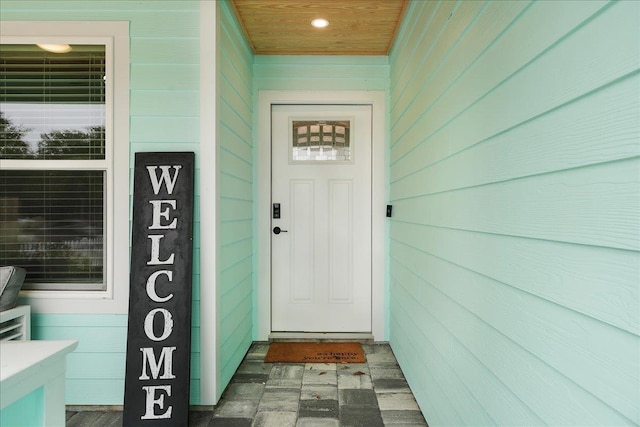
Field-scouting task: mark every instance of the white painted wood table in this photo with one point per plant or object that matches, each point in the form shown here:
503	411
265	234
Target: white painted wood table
26	366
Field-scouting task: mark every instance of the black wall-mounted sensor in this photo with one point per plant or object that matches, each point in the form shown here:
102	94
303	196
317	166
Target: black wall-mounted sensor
389	211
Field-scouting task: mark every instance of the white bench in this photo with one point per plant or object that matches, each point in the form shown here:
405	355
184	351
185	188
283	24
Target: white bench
26	366
15	324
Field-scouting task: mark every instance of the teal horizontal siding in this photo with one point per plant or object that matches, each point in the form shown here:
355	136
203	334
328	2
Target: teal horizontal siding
164	108
320	73
235	193
515	242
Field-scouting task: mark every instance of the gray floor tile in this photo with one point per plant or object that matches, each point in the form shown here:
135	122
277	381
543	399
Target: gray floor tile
287	372
355	382
358	397
318	392
236	409
199	418
397	401
403	418
360	416
243	391
254	367
303	395
317	422
320	366
230	422
275	419
353	369
280	400
258	350
250	378
318	376
391	385
379	372
318	409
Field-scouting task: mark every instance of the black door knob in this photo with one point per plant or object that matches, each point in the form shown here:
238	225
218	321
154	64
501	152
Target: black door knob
278	230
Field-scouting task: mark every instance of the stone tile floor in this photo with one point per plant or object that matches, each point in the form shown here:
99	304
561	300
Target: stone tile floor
368	394
261	394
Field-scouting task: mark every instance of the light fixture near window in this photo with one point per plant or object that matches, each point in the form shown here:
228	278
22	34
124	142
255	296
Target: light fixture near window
320	23
55	47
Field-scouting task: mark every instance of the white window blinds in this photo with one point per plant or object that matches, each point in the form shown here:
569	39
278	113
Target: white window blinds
52	119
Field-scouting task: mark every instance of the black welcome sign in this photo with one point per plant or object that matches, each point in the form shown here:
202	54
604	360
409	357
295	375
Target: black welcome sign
159	331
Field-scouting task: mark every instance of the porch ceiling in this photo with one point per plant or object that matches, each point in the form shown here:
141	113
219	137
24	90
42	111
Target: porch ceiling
356	27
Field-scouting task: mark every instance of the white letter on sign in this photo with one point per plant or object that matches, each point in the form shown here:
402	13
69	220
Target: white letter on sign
151	286
164	177
152	402
166	358
168	324
155	251
159	214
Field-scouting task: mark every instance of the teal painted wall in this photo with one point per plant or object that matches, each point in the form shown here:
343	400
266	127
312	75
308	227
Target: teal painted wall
164	108
25	412
299	72
235	189
514	164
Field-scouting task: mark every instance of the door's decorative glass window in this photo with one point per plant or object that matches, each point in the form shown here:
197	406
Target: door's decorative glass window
321	140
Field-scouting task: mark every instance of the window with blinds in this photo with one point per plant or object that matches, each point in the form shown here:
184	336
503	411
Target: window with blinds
52	164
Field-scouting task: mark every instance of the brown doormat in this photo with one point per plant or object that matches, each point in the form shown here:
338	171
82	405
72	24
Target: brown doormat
312	352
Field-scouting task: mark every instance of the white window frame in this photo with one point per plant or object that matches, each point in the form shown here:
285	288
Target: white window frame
115	37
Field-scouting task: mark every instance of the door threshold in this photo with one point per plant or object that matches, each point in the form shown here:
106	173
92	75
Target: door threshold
321	336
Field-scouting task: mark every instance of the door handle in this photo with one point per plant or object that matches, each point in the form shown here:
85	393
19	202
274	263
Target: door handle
278	230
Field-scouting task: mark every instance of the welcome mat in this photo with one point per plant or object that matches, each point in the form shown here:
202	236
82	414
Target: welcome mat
313	352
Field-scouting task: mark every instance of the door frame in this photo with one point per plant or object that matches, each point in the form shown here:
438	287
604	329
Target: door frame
379	192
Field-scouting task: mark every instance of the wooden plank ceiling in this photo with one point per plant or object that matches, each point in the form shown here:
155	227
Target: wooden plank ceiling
356	27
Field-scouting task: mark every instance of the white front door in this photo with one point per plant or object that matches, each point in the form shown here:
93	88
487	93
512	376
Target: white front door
321	218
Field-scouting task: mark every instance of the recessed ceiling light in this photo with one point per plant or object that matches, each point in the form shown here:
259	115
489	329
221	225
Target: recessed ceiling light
319	22
55	48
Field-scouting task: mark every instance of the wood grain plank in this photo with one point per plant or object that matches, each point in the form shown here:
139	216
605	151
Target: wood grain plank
595	205
164	130
523	42
550	332
72	5
234	188
91	339
451	25
444	355
235	165
235	100
234	143
528	377
407	41
426	381
235	209
92	392
235	54
165	103
235	273
356	27
79	320
361	83
448	65
235	230
237	297
154	50
597	282
236	342
235	252
598	128
169	77
231	119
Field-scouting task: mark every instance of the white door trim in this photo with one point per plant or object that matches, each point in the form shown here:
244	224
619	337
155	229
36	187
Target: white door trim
377	99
